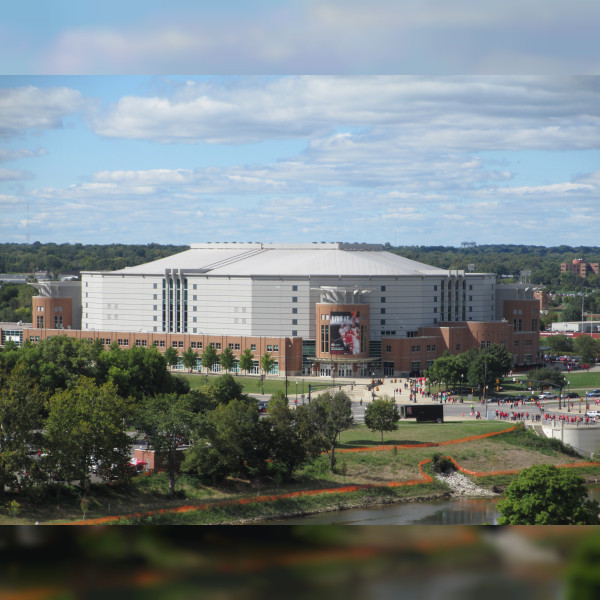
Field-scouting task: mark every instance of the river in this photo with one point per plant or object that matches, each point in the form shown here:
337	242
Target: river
455	511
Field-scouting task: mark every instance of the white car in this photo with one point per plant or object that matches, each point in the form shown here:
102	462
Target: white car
547	396
593	414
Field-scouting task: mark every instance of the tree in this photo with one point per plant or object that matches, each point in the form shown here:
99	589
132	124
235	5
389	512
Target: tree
488	365
329	414
85	426
20	406
559	343
231	440
382	415
288	451
246	360
227	359
266	363
166	420
546	495
587	348
546	377
209	358
189	358
445	369
172	356
226	388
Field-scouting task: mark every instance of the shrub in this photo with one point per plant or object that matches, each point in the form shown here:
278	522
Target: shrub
442	464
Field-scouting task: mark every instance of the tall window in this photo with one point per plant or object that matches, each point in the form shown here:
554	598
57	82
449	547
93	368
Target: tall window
324	338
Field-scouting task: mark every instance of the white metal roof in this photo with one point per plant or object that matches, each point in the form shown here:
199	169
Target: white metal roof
287	260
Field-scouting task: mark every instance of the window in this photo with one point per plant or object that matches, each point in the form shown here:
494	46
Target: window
218	345
40	322
388	348
383	299
294	321
230	346
138	342
470	287
294	311
434	309
155	318
193	345
470	298
435	298
237	346
482	343
324	338
294	288
154	285
435	321
269	348
252	347
174	344
161	343
435	288
275	348
383	288
383	321
383	311
534	324
516	342
194	298
212	344
294	298
294	333
155	297
457	347
415	365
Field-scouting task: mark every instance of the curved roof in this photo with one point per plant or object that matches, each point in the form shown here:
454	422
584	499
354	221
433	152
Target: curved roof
286	260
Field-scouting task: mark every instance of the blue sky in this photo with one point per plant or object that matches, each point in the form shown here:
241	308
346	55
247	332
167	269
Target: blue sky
412	160
311	120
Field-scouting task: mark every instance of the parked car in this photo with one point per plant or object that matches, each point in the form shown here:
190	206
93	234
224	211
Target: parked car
547	396
593	394
593	414
572	395
262	406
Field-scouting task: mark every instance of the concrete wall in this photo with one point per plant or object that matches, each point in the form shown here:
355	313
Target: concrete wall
584	438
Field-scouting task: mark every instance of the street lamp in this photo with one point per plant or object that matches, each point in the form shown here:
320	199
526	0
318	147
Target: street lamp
461	386
296	392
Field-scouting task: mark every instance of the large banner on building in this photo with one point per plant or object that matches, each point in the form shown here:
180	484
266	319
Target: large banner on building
345	332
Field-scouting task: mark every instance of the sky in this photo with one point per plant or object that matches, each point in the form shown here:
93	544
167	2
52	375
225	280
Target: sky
424	123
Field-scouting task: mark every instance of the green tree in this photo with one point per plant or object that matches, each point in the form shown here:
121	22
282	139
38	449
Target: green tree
329	415
172	356
225	388
209	358
227	359
587	348
547	495
382	415
267	362
231	440
288	451
445	369
189	358
85	426
488	365
167	420
246	360
546	377
20	406
559	343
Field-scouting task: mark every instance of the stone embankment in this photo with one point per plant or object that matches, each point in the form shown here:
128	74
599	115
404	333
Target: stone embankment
462	486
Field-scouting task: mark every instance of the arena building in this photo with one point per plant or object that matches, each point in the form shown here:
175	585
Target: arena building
326	309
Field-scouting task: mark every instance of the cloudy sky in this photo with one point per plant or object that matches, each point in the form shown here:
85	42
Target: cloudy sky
443	153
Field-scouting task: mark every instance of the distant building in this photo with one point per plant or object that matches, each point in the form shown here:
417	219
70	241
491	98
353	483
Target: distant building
335	309
580	267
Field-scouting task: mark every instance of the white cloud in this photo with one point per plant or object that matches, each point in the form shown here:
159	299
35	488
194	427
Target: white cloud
35	108
408	113
12	175
7	155
342	36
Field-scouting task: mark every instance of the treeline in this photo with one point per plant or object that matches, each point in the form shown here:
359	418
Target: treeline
510	260
66	406
15	302
61	258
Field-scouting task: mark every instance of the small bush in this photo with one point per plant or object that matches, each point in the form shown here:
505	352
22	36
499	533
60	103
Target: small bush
441	464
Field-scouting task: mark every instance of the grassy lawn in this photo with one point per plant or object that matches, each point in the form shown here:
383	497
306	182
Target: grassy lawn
251	385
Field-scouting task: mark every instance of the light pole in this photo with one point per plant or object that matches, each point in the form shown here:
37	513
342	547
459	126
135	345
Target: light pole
461	387
296	392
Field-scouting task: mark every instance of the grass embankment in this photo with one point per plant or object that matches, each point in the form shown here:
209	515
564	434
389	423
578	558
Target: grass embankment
375	467
251	385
